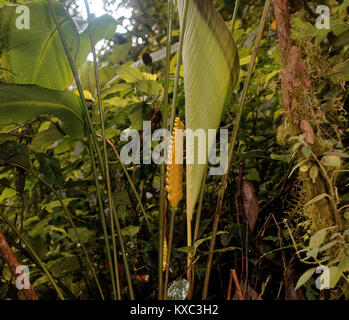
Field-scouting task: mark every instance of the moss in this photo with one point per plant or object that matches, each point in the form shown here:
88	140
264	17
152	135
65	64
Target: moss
320	213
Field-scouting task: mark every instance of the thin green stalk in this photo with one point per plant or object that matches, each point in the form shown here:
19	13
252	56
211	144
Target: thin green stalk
196	234
163	169
78	85
235	14
91	145
337	215
178	67
124	256
110	194
201	201
115	282
169	251
231	147
34	255
138	198
69	215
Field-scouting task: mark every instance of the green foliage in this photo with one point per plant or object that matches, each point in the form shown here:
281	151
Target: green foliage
43	130
20	103
36	56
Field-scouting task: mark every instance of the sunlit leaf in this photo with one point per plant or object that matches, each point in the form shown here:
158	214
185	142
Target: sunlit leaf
36	55
20	103
317	239
305	277
211	70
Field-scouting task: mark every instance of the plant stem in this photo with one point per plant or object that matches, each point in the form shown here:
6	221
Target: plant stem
131	184
12	262
90	135
34	255
124	256
337	215
163	168
233	20
169	250
196	234
106	162
231	147
178	67
69	215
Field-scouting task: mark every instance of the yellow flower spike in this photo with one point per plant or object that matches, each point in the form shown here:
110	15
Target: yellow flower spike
174	178
164	255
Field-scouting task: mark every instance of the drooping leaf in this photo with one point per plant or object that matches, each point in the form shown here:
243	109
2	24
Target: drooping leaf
201	241
305	277
251	206
44	139
15	154
306	151
317	239
36	55
130	75
340	71
317	198
20	103
149	87
87	76
64	265
313	173
84	234
281	157
344	265
331	161
331	277
211	70
51	169
49	207
130	231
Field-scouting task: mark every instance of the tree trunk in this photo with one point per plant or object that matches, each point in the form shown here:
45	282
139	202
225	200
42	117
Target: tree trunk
11	260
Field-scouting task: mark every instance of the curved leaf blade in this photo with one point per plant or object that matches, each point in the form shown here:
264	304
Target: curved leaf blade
211	70
36	55
20	103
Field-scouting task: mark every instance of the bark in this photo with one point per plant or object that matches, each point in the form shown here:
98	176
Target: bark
11	260
293	76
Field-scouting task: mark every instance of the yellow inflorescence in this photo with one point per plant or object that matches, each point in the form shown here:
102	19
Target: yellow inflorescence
174	179
164	255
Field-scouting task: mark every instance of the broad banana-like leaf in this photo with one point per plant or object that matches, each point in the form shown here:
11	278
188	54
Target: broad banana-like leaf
20	103
36	55
211	70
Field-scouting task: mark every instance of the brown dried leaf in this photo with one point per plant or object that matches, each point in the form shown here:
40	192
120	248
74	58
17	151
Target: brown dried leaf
290	285
251	206
247	292
306	128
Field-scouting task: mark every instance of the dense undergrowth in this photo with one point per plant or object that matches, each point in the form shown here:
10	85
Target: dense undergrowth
299	190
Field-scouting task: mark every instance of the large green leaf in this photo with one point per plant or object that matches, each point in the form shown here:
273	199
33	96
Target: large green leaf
211	70
87	76
20	103
103	27
36	55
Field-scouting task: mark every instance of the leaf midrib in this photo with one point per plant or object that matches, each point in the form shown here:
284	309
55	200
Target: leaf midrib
44	49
